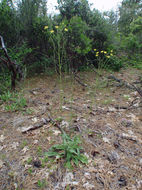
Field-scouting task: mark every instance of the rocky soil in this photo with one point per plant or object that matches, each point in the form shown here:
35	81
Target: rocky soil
106	115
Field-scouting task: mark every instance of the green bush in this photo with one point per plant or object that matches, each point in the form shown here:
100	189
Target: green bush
115	63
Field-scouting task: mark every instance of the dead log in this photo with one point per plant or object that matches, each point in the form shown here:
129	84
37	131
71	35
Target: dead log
16	73
36	125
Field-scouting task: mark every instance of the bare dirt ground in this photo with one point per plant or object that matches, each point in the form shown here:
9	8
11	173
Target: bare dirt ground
107	116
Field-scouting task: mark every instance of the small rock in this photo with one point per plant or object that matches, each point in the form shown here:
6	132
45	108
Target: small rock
88	186
1	164
64	123
1	147
35	141
106	140
116	144
68	177
75	183
111	109
139	184
25	149
87	175
56	132
110	173
34	119
140	161
140	117
122	181
129	137
130	132
2	138
113	157
126	123
14	145
66	108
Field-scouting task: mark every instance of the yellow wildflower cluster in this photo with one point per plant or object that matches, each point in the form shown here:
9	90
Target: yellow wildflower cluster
104	52
66	29
45	27
97	54
52	31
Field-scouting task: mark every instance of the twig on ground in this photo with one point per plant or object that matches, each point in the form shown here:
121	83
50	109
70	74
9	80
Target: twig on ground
78	79
55	123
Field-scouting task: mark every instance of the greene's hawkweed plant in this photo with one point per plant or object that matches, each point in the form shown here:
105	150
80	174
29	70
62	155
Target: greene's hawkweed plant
103	59
13	101
68	150
58	41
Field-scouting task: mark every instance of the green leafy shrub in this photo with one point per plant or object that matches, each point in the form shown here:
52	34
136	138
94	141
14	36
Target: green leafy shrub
69	150
115	63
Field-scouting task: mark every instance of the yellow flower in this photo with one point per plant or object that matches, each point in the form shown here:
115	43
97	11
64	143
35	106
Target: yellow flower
111	54
51	31
97	55
45	27
111	51
105	52
95	49
56	27
102	51
66	29
108	56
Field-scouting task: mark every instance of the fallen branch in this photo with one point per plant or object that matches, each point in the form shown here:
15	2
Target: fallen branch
78	79
36	126
127	85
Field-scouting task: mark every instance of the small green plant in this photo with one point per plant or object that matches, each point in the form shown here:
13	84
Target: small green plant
30	171
28	111
44	161
13	101
29	161
42	183
24	143
69	150
39	151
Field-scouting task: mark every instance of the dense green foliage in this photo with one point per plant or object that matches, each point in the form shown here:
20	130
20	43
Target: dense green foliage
40	42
